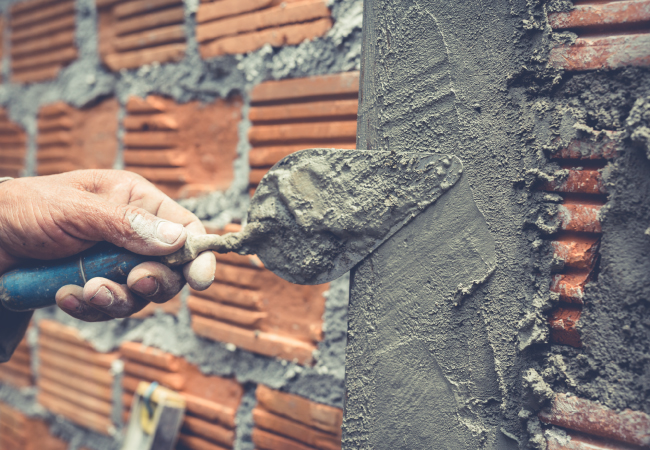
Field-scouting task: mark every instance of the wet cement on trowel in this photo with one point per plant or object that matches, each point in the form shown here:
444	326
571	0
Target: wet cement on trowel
318	212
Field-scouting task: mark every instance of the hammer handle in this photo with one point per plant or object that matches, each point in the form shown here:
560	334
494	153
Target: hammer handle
34	285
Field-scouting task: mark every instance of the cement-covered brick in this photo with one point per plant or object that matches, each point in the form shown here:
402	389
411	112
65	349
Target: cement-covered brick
133	33
595	420
42	39
185	149
70	138
234	26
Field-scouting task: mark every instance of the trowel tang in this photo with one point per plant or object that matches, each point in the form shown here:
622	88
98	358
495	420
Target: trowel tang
35	286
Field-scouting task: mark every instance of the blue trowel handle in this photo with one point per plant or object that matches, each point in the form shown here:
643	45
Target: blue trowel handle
34	285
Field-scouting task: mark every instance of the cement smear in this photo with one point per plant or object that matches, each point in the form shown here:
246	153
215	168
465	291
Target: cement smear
318	212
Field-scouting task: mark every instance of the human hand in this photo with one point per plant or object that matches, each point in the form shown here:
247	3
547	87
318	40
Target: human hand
56	216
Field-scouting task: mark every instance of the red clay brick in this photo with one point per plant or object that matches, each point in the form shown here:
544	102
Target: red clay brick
577	252
225	313
225	8
571	286
215	433
150	356
271	17
186	442
586	181
563	322
13	147
315	415
223	293
580	441
37	53
609	52
171	307
604	147
135	33
294	430
275	36
579	217
574	413
319	86
264	440
598	15
19	432
125	9
64	357
211	411
18	371
254	341
335	109
327	131
73	138
197	143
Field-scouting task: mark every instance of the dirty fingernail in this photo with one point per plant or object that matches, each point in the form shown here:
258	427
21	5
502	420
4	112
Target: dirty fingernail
103	297
146	286
169	232
70	303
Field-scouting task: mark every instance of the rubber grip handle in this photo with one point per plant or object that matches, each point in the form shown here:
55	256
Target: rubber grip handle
34	285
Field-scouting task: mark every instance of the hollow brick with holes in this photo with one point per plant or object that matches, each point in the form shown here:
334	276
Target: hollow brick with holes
287	421
20	432
13	147
226	27
185	149
611	34
42	39
296	114
74	380
17	372
133	33
593	424
256	310
211	401
70	138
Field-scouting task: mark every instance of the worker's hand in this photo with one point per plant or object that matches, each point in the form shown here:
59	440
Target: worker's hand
56	216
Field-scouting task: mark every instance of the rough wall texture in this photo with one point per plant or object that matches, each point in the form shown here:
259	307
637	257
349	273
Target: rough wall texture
126	84
528	100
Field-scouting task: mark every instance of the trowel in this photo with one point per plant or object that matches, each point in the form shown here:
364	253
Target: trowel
314	216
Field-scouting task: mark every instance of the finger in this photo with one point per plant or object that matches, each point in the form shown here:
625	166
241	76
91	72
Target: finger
70	299
200	272
155	282
112	299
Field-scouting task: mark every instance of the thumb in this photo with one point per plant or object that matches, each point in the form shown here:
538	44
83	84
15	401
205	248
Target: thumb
140	231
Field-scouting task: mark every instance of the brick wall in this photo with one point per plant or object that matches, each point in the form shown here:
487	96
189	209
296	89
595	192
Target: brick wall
17	372
137	32
291	115
12	147
20	432
211	402
74	380
288	422
611	34
42	39
227	27
185	149
71	138
139	92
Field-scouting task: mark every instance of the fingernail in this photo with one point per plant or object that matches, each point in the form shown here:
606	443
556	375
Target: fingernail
169	232
103	297
146	286
70	303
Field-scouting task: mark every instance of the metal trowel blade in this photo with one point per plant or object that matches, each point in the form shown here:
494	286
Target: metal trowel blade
318	212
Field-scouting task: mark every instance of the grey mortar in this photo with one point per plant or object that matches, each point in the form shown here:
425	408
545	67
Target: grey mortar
85	82
244	420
